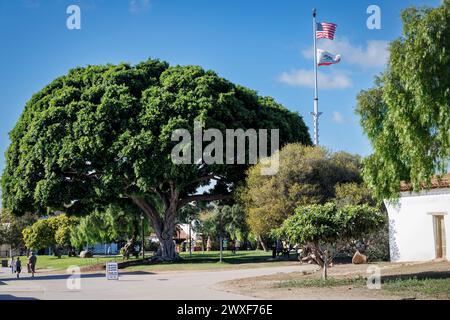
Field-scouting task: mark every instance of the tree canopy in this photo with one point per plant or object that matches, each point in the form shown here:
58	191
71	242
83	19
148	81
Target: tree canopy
307	175
11	228
407	114
51	232
103	134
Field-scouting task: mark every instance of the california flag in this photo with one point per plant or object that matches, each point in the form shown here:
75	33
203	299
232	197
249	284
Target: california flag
325	58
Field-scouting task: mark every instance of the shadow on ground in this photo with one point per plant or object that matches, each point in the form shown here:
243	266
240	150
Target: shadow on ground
234	259
8	297
40	277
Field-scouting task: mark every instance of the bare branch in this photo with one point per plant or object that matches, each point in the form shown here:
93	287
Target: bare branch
203	197
150	211
206	178
162	196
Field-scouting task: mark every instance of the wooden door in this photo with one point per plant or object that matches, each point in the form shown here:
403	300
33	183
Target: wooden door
439	230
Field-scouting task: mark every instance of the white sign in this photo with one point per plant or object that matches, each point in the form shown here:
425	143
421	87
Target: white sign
112	271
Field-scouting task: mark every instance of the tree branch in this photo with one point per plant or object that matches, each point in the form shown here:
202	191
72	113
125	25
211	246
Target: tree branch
150	211
206	178
162	196
203	197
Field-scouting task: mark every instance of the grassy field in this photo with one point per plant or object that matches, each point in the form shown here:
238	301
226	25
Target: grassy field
210	261
198	261
319	283
53	263
420	288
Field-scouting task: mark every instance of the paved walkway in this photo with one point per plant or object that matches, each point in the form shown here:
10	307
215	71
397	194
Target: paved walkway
186	285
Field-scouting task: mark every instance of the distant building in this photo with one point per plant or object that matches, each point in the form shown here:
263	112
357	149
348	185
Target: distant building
419	224
105	249
181	237
6	251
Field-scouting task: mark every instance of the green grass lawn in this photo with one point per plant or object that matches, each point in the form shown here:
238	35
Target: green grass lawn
53	263
420	288
198	261
319	283
210	261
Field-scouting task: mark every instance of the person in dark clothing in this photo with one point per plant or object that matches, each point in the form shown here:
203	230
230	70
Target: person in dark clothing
32	259
233	246
18	267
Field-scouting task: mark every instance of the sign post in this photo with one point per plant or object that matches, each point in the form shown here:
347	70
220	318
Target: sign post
112	271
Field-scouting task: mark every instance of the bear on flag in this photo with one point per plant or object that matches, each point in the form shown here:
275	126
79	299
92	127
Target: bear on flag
324	58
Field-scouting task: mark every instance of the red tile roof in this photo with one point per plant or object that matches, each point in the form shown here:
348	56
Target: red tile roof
438	182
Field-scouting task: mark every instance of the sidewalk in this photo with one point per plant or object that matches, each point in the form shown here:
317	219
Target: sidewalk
134	285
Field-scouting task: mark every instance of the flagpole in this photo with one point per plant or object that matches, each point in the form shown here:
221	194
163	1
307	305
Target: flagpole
316	113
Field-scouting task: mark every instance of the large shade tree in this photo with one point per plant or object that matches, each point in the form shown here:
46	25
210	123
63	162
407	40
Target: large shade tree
407	114
103	134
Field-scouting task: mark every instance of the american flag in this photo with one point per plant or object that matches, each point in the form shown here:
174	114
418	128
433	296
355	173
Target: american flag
326	30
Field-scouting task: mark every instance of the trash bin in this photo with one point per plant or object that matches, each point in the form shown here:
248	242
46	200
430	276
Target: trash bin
5	263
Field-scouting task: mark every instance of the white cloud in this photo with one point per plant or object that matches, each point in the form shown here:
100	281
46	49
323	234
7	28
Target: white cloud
305	78
138	6
337	117
374	55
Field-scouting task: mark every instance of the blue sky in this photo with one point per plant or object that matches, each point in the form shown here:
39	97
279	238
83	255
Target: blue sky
264	45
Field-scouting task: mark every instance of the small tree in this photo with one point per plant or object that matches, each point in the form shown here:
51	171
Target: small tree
320	226
11	228
225	221
53	232
307	175
237	228
376	245
40	235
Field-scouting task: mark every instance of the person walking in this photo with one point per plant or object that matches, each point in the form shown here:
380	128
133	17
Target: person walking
12	264
32	259
18	267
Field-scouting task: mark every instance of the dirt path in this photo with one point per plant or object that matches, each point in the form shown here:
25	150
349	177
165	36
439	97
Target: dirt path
181	285
267	287
238	284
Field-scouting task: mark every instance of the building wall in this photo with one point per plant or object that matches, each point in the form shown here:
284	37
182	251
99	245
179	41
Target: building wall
108	248
5	251
411	230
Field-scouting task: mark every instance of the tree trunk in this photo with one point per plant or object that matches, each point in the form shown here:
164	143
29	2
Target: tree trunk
167	250
208	244
164	227
221	248
325	266
203	244
263	244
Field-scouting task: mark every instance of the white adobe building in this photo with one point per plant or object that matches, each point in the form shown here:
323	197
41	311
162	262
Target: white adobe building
419	223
